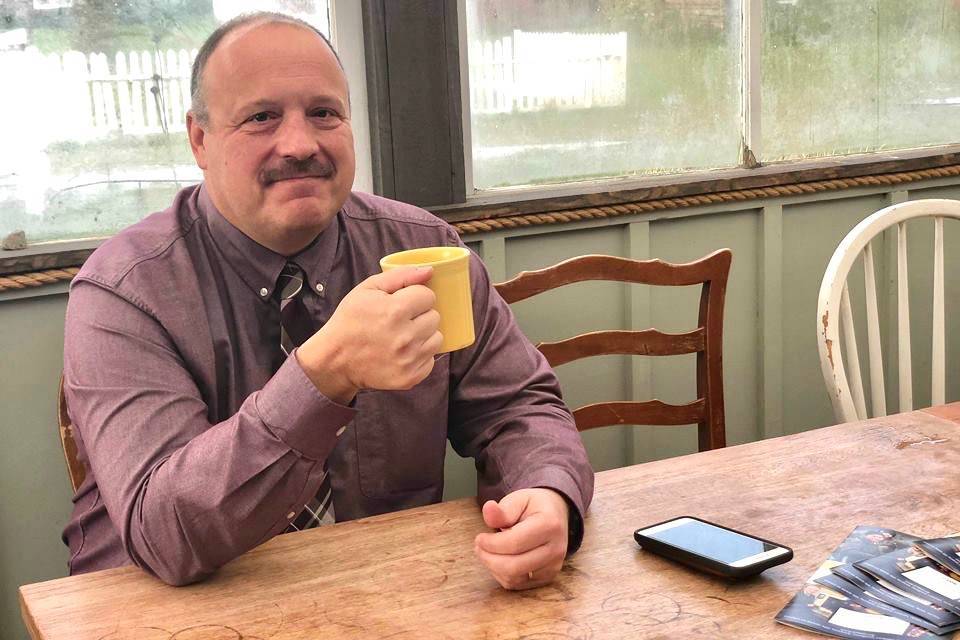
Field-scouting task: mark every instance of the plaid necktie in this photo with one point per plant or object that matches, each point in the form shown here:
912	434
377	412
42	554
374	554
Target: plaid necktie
295	327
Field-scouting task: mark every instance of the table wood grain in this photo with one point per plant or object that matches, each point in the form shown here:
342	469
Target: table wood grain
413	574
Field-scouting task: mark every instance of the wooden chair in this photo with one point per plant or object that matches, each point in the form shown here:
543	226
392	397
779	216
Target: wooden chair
706	340
833	310
75	468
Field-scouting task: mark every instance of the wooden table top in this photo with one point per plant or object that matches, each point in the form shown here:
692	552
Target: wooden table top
413	574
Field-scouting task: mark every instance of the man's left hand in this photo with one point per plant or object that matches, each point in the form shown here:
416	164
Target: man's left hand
529	548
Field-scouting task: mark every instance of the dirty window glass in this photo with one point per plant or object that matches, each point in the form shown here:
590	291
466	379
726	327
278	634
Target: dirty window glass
94	99
566	90
849	76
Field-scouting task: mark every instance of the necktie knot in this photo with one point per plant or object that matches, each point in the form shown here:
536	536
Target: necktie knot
290	282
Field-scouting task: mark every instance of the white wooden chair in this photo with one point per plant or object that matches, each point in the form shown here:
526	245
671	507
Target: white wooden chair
833	310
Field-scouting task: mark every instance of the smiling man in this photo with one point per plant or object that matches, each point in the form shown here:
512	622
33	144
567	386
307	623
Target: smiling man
238	368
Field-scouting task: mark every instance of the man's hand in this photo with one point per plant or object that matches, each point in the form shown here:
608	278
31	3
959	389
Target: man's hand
529	548
383	335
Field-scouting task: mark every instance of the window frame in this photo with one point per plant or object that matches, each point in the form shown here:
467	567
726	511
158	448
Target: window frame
749	174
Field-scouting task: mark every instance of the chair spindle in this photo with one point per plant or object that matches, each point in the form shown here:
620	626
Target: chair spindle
852	354
878	397
938	375
903	322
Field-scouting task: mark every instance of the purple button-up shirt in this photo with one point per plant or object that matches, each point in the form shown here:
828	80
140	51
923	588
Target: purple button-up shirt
198	447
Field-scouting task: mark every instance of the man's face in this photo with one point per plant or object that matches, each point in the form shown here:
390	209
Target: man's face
277	149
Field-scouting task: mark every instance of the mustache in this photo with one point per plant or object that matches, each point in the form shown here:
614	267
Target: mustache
311	167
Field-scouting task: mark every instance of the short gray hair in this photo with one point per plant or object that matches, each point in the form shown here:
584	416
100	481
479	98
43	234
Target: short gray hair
198	104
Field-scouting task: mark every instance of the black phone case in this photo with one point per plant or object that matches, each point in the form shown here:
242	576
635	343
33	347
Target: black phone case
709	565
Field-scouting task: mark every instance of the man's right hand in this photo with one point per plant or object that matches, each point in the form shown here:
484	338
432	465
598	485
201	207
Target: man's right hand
383	335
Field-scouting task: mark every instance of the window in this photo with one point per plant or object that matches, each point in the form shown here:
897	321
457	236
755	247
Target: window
577	89
566	90
851	76
95	94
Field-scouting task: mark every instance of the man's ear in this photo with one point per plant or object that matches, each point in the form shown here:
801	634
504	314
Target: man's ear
196	134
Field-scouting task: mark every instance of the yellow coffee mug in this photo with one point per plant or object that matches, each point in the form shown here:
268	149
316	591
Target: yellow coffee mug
450	282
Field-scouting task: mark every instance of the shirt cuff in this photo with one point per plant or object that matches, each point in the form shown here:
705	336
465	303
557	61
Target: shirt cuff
574	528
304	419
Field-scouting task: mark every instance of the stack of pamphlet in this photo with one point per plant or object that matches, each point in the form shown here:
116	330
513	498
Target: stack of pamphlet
880	583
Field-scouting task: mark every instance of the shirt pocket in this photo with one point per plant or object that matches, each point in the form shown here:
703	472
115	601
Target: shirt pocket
402	435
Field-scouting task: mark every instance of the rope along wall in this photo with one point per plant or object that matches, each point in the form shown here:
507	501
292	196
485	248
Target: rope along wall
40	278
612	211
37	278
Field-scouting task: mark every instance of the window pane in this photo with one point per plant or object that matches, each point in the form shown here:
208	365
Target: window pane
94	98
564	90
850	76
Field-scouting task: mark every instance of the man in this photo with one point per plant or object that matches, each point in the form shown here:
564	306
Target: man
203	438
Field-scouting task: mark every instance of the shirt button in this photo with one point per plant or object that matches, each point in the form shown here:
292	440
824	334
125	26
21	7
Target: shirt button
319	287
341	430
291	515
263	292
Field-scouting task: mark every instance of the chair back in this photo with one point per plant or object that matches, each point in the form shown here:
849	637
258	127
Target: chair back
841	367
75	468
706	340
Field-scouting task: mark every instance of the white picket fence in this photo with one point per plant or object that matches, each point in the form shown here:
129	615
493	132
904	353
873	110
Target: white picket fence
133	92
533	71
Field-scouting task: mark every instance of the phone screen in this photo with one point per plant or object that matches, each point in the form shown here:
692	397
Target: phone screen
707	540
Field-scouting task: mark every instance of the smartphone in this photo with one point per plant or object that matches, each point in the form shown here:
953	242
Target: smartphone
712	548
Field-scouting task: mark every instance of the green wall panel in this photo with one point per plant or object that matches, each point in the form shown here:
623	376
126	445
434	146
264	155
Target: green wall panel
34	488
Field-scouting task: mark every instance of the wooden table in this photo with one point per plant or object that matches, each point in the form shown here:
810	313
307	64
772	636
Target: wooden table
413	574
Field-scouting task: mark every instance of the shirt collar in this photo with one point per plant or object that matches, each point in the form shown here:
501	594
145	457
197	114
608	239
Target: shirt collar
258	266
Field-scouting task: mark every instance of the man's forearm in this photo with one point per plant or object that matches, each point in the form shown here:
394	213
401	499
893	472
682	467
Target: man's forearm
218	496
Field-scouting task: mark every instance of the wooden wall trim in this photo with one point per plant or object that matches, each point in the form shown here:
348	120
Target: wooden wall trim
770	306
631	208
